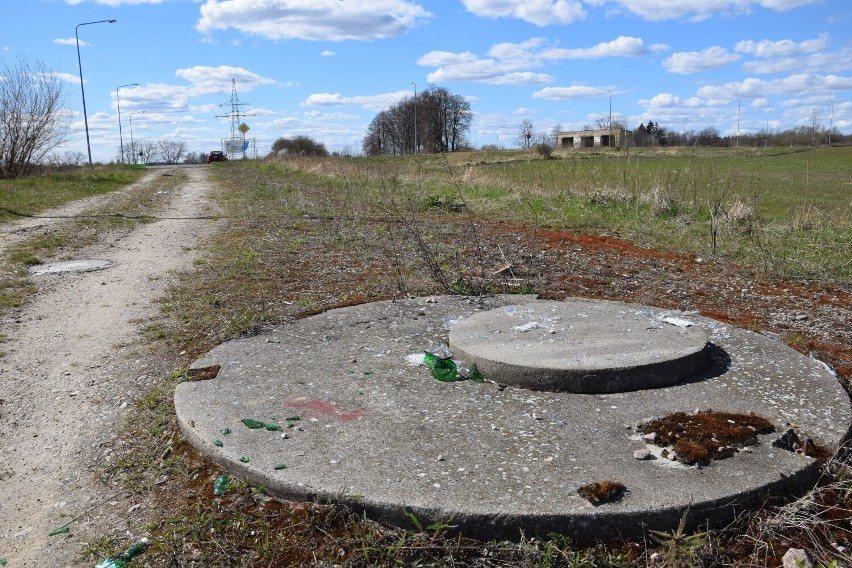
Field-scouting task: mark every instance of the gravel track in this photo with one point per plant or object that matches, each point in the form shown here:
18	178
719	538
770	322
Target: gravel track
74	364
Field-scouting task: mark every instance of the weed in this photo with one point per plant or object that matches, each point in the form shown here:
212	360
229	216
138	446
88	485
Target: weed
680	548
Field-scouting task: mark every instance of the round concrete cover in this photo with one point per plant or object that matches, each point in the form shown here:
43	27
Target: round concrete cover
582	346
378	432
83	265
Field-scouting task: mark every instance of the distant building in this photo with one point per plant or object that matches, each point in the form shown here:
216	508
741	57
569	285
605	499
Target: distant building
604	138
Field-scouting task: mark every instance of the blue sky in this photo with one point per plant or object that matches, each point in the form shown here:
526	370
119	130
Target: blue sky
325	68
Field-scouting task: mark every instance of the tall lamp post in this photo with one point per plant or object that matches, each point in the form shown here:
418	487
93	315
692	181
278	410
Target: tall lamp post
132	146
82	90
831	124
118	102
415	116
684	131
766	140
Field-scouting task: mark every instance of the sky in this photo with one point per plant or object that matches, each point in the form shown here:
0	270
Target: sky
325	68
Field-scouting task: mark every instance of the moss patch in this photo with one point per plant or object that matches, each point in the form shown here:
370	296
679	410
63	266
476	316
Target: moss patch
599	492
706	435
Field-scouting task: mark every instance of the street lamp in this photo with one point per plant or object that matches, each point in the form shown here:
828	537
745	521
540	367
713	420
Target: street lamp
684	130
118	102
831	124
766	140
738	122
610	112
415	116
82	90
132	146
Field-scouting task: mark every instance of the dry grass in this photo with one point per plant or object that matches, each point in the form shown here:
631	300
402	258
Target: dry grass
312	235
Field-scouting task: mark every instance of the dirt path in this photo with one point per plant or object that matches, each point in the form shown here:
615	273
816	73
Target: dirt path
73	367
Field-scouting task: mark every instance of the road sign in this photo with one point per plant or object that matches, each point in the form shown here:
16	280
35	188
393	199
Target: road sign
244	128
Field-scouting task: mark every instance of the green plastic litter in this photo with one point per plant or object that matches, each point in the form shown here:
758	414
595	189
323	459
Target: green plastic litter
244	459
294	418
252	424
3	562
281	466
62	530
218	443
273	427
368	373
226	431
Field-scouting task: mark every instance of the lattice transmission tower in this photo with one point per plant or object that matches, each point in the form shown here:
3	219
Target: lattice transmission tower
237	143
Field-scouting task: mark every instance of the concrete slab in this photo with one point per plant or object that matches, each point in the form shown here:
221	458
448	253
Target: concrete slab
381	434
82	265
582	346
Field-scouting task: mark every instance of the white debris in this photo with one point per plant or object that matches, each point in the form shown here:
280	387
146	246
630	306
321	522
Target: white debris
677	322
415	359
529	326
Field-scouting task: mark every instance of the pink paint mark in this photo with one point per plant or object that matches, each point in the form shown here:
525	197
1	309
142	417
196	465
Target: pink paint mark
352	415
326	408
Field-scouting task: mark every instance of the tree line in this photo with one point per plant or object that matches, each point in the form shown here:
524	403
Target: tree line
435	120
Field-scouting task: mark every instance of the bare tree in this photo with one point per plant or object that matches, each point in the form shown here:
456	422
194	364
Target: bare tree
443	120
526	133
147	152
815	126
171	151
32	120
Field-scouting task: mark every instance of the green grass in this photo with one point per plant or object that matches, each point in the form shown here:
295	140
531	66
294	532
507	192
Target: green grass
783	211
119	214
309	234
33	195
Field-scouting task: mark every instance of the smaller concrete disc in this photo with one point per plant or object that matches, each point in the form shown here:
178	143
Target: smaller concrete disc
580	346
83	265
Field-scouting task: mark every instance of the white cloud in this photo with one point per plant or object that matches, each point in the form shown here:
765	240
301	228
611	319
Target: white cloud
697	10
67	77
509	63
658	47
328	53
69	41
686	62
538	12
567	93
209	80
203	81
622	46
800	84
328	20
369	102
783	48
814	63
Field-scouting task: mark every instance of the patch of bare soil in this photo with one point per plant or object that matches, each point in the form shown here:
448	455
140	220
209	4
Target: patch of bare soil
72	369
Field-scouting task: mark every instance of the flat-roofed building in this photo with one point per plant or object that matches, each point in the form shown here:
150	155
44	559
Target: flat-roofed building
603	138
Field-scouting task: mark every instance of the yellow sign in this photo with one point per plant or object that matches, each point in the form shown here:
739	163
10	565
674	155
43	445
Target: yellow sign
244	128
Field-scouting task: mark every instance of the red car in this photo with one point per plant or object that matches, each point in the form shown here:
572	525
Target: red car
216	156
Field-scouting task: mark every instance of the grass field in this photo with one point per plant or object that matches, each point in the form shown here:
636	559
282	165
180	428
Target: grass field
305	235
32	195
786	212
